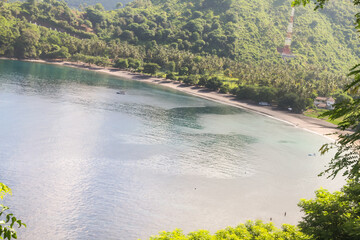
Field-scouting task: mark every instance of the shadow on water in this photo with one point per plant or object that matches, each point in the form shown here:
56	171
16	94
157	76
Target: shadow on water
44	77
131	162
219	110
52	74
50	80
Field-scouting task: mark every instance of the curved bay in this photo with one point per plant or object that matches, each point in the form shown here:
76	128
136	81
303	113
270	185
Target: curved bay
80	157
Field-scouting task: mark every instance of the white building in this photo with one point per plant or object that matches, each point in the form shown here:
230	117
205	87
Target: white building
324	102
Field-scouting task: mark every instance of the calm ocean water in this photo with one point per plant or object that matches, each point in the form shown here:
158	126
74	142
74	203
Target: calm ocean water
87	163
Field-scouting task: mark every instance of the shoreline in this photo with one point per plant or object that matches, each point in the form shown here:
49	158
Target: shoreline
313	125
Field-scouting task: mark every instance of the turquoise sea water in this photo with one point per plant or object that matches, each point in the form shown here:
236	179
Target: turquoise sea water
87	163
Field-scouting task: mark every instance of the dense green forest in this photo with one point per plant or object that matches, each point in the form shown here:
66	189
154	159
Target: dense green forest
226	45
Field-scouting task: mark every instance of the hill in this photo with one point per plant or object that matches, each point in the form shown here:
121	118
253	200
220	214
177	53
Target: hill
238	29
228	44
247	31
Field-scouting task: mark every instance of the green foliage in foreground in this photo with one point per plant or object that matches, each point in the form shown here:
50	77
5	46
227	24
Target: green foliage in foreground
7	220
248	231
347	157
333	216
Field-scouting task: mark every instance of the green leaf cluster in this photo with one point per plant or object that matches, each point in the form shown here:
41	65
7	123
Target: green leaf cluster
7	220
248	231
333	215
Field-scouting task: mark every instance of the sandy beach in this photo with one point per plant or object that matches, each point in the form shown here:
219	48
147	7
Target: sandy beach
313	125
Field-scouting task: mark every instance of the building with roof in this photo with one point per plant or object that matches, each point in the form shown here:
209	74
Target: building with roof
324	102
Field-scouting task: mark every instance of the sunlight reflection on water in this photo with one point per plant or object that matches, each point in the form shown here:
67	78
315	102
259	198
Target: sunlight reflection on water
80	158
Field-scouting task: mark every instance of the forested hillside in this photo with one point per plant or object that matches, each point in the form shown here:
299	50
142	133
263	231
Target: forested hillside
220	44
248	31
243	30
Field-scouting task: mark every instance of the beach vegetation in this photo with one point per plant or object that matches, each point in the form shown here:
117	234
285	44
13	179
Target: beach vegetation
170	76
266	94
214	83
247	92
224	88
292	101
134	63
191	80
151	68
121	63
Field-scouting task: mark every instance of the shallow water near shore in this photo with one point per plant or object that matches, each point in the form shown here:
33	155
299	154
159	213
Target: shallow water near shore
84	162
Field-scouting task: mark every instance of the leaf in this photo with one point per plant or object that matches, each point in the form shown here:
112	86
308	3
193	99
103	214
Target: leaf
13	220
8	217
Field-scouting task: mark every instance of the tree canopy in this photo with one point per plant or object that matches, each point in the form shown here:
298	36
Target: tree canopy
248	231
333	216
